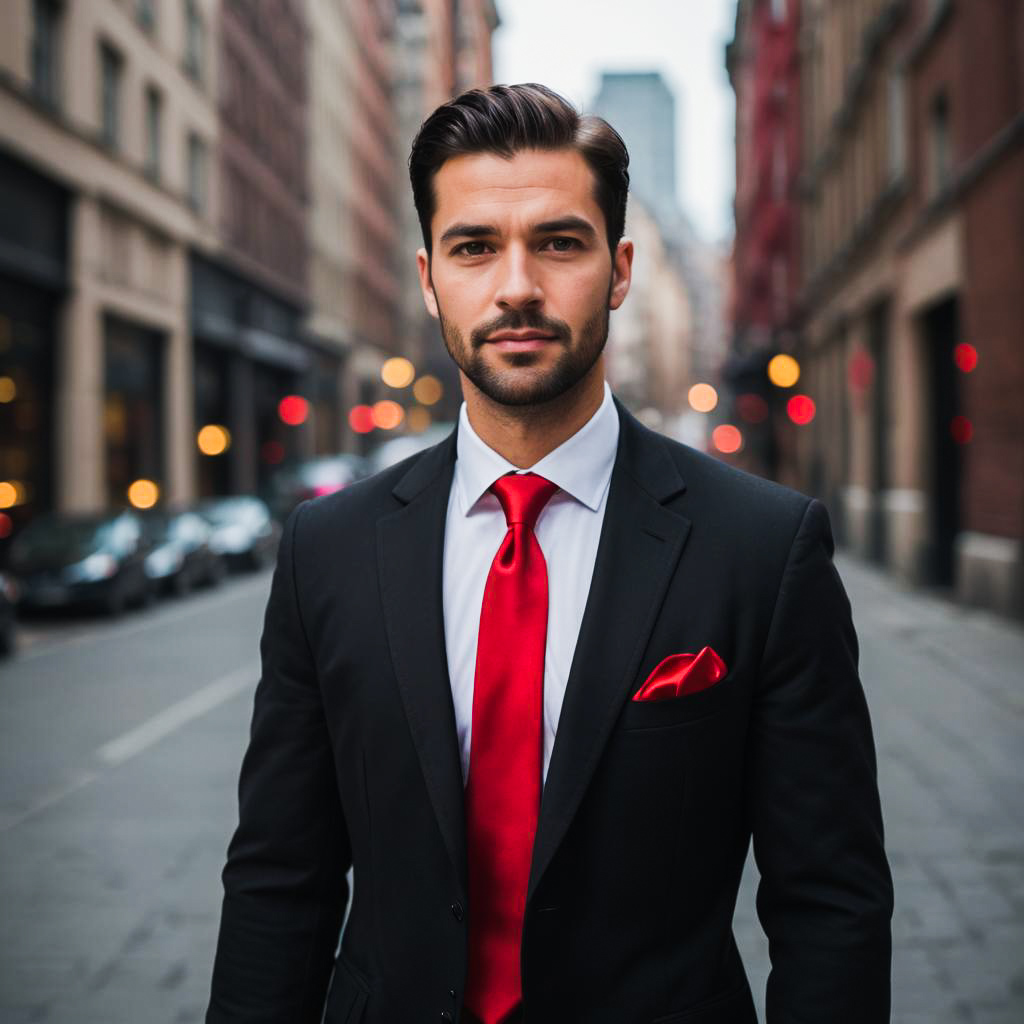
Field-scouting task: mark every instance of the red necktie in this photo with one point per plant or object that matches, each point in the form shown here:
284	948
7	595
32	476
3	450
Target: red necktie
506	749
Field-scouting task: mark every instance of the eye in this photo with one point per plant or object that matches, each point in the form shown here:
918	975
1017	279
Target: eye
470	249
563	244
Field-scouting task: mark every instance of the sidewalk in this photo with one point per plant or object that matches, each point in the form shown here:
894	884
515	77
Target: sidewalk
946	690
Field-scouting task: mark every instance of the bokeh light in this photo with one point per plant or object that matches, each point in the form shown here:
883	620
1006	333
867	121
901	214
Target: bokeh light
397	372
387	414
143	493
427	390
8	390
6	525
965	356
961	429
727	439
360	419
12	492
418	419
783	371
214	439
293	410
702	397
801	409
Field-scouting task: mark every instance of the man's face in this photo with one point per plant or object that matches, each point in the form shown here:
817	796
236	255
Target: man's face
521	277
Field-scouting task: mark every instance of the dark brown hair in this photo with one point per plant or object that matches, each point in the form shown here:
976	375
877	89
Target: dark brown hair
506	119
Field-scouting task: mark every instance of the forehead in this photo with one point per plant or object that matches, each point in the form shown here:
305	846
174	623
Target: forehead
532	184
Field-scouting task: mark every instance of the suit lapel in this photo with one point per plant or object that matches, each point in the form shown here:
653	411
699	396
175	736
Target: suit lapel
410	545
640	545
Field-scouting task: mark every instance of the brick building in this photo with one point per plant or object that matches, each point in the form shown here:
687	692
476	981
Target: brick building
913	285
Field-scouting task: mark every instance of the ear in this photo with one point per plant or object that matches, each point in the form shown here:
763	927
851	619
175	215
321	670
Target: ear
426	285
622	273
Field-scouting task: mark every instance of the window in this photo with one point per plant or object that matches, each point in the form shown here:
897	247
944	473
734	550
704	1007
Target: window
195	41
145	14
110	95
154	111
778	10
897	126
45	51
941	155
196	173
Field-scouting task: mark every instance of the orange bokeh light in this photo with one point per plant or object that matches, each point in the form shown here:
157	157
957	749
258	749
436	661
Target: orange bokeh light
387	414
727	439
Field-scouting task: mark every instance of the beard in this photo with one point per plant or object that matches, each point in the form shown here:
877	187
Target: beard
521	379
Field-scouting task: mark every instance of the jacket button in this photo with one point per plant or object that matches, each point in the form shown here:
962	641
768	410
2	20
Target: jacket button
445	1015
451	993
457	912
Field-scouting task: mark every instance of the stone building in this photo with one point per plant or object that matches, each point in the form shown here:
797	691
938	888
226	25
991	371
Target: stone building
108	123
913	285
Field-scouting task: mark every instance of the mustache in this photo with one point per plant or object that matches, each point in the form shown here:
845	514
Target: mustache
520	320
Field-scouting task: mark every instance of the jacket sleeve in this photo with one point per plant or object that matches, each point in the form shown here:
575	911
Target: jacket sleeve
825	896
285	887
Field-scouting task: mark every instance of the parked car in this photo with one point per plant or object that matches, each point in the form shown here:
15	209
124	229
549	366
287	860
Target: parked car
398	448
8	601
311	479
99	560
182	556
244	532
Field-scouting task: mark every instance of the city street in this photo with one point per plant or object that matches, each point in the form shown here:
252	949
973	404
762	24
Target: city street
120	744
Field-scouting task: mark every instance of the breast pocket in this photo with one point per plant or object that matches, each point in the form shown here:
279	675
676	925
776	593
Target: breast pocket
674	711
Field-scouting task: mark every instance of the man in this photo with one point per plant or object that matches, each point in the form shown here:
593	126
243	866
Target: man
539	685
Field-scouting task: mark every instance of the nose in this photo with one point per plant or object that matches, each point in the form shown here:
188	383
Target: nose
518	287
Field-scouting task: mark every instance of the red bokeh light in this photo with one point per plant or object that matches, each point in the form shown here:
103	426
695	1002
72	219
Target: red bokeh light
6	525
965	356
360	419
727	439
272	452
801	409
293	410
752	408
961	429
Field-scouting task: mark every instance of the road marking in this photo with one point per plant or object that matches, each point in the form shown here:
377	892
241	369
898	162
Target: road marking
144	736
163	723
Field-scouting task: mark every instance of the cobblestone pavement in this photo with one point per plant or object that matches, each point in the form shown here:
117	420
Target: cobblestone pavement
110	851
946	692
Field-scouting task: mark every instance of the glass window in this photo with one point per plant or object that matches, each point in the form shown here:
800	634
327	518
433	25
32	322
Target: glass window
45	52
196	173
145	14
778	10
154	111
941	155
897	126
110	94
195	41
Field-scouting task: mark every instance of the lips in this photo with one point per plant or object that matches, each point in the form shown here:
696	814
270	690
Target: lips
521	336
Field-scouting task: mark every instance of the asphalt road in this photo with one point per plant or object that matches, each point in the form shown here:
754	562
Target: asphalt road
119	752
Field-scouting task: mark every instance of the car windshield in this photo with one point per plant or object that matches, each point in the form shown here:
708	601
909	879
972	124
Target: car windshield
62	539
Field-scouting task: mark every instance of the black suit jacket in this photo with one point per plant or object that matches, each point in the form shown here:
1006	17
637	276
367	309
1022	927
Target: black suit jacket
648	808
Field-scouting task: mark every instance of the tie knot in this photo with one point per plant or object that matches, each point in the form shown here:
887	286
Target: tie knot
523	496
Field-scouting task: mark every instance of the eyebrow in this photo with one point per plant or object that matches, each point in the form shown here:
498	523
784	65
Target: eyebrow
569	223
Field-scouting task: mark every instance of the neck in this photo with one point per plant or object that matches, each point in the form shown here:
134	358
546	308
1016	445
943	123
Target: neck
524	434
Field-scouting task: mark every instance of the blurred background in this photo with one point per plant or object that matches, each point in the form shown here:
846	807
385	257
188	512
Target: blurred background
209	311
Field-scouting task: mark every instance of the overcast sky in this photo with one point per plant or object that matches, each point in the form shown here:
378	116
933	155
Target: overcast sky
566	44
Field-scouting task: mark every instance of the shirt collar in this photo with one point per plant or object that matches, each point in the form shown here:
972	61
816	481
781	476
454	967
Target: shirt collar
581	466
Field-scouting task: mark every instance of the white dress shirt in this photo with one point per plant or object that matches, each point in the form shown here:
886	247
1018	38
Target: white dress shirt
568	531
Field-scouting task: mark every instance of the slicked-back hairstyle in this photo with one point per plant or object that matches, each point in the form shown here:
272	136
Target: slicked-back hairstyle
506	119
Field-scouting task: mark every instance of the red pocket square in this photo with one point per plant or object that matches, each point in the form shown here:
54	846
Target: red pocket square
682	674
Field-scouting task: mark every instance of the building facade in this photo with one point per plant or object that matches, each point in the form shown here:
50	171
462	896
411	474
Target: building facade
907	313
109	116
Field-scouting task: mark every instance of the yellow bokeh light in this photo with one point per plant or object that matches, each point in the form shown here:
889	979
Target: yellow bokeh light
143	494
703	397
783	371
397	372
12	492
214	439
427	390
8	390
418	419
